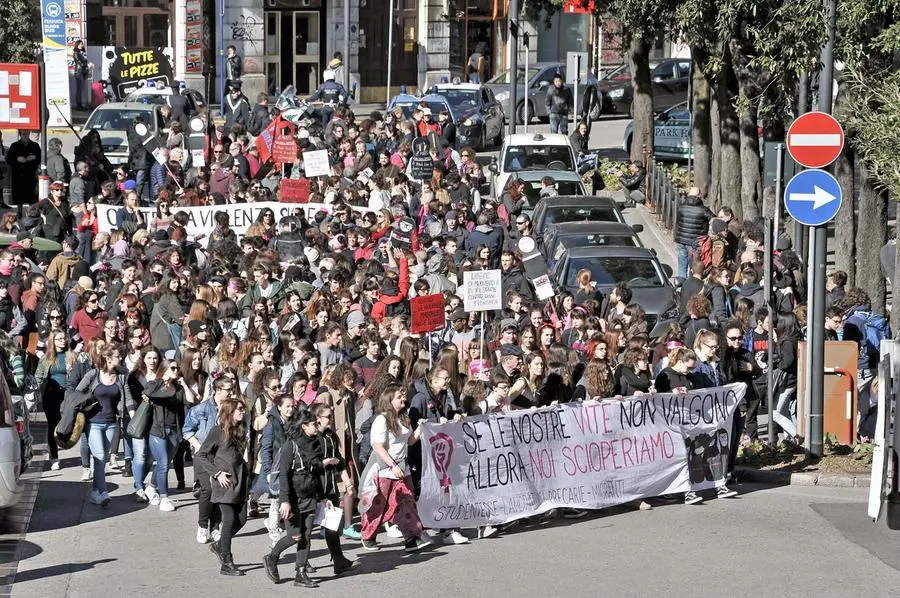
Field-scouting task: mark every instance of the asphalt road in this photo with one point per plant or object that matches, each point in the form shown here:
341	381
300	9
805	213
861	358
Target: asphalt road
789	541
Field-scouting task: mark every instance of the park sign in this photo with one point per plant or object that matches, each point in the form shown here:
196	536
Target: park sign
815	139
497	468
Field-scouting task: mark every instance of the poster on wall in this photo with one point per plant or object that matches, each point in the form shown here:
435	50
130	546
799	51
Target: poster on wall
193	37
127	69
75	30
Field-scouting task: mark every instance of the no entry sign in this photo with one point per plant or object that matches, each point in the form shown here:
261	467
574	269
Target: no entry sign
815	140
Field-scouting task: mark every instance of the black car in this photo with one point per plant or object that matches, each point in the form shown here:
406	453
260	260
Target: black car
558	238
574	208
647	278
670	79
476	112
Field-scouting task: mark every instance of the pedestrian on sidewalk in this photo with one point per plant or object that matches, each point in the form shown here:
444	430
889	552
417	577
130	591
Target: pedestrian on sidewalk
51	377
223	454
691	224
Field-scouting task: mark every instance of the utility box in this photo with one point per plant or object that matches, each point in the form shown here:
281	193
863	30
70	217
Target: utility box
840	390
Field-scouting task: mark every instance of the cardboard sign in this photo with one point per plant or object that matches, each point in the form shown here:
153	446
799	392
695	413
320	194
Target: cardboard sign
294	191
421	167
427	313
483	290
315	163
284	147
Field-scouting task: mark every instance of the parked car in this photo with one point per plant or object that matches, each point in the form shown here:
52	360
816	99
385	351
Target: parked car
670	79
532	152
574	208
671	134
15	445
476	112
112	121
540	78
567	183
558	238
636	266
408	103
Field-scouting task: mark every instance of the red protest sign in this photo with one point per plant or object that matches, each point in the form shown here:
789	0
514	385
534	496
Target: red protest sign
284	147
294	191
427	313
20	97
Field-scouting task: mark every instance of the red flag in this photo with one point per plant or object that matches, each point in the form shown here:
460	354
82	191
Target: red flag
265	139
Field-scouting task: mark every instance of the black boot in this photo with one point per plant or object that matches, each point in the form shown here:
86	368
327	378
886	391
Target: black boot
127	472
214	548
270	563
303	580
228	567
343	565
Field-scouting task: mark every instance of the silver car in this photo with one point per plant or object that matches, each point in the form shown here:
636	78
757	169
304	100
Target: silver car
113	120
671	134
540	78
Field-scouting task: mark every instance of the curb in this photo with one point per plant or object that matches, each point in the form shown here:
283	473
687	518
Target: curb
784	478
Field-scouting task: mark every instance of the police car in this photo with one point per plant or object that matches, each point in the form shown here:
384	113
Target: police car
160	95
532	152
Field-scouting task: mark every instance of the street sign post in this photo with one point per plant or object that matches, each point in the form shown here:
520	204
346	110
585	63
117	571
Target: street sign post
813	197
815	139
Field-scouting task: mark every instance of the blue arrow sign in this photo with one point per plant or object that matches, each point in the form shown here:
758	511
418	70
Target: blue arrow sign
813	197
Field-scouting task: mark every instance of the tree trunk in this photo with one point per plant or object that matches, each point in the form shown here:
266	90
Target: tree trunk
642	104
895	311
870	236
715	162
748	86
730	151
700	133
845	221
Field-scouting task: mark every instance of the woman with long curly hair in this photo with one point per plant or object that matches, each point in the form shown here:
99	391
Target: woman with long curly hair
597	382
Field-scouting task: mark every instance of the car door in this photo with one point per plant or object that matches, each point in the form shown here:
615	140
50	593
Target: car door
672	133
489	112
539	91
664	77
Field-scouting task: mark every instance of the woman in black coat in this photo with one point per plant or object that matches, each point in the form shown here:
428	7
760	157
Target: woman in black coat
301	468
222	455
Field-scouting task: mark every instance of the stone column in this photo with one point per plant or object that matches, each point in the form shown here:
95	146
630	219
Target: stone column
335	37
244	29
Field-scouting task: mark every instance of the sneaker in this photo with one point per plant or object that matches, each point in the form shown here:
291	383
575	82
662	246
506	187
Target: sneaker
644	506
166	505
573	513
86	474
371	545
104	499
180	487
152	495
692	498
352	533
454	537
725	492
546	517
114	462
202	535
417	544
141	496
275	535
392	530
95	498
215	535
487	531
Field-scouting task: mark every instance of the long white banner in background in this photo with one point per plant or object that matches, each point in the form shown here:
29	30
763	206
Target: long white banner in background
200	219
494	469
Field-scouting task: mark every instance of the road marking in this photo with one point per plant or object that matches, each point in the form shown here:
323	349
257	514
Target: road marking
815	139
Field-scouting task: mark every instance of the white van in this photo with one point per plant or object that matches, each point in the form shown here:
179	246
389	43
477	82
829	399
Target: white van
15	445
532	151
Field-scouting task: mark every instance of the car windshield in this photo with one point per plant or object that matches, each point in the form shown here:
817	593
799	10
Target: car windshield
533	190
530	157
615	240
116	120
503	77
556	215
461	100
607	271
408	107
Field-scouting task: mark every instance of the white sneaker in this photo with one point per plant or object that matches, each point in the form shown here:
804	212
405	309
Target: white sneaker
487	531
454	537
86	474
202	535
166	505
152	495
141	496
393	531
104	498
54	466
215	535
96	498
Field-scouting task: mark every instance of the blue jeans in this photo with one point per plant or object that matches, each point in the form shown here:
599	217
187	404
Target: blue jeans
126	439
163	449
139	462
684	258
100	439
559	123
84	449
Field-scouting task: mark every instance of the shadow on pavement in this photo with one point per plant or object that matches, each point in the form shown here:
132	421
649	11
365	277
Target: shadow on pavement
54	510
851	520
54	570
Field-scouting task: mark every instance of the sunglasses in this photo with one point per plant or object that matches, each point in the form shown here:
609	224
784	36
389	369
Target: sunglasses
733	338
273	387
52	317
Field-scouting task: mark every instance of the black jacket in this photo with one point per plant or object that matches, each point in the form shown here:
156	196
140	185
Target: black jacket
579	143
514	280
629	381
558	100
217	454
302	457
692	220
635	182
259	119
138	156
669	379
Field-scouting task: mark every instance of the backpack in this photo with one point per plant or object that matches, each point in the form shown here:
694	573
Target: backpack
877	328
254	125
274	476
712	251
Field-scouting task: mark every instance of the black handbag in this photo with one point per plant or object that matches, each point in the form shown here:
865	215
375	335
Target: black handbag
140	423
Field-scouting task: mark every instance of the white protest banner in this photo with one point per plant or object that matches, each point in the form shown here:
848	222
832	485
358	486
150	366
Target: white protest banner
200	219
493	469
483	290
315	163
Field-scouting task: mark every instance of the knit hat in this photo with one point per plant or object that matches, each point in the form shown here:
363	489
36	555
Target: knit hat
86	283
355	318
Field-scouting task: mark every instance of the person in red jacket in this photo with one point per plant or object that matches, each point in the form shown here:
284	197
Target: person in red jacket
392	293
89	318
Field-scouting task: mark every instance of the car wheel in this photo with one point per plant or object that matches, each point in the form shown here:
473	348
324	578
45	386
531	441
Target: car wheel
520	113
597	109
628	145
